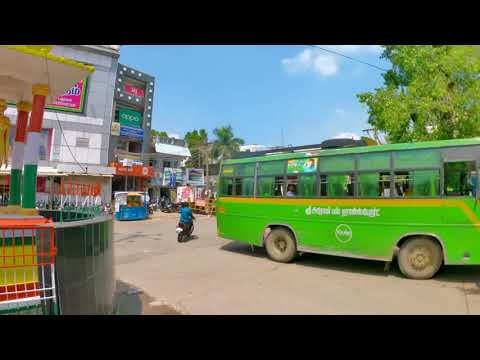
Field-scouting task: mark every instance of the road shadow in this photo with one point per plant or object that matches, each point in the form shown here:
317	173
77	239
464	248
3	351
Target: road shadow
451	273
190	238
131	300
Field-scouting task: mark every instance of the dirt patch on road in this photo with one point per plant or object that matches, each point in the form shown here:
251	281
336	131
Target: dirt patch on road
133	301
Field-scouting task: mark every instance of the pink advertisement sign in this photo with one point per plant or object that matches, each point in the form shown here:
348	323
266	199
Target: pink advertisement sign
132	90
73	100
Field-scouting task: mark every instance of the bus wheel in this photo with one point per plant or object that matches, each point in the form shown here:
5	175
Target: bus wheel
420	258
280	245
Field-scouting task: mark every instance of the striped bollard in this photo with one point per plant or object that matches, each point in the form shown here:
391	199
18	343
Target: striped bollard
23	108
32	149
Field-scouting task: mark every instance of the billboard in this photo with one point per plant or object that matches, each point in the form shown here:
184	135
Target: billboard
131	133
132	90
73	100
195	177
172	177
130	118
302	166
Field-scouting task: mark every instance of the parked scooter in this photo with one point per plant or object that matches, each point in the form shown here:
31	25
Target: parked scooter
151	208
168	207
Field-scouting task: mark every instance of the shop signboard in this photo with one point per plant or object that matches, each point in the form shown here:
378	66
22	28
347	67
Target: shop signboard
133	170
130	118
133	90
172	177
195	177
200	202
302	166
115	129
73	100
184	194
131	133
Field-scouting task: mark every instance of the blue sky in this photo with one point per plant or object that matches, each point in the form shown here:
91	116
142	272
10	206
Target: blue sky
259	89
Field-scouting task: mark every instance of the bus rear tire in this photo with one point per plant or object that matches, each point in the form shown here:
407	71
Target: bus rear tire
420	258
280	245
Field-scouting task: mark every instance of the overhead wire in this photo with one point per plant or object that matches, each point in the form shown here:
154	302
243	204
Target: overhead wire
348	57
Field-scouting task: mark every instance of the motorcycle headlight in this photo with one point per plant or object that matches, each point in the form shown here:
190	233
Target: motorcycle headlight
179	230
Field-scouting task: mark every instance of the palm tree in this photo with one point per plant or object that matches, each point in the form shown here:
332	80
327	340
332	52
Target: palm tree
225	144
196	140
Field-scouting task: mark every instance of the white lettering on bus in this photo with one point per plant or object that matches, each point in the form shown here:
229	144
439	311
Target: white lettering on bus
373	212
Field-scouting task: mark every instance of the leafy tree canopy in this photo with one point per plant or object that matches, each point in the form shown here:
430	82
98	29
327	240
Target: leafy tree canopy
431	93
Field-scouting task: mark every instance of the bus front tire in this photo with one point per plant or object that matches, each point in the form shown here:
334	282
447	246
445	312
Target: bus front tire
280	245
420	258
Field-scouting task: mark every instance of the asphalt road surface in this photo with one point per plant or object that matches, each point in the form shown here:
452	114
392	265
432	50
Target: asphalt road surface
208	275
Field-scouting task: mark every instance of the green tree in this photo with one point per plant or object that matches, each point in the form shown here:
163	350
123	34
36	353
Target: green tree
431	93
155	133
225	144
196	141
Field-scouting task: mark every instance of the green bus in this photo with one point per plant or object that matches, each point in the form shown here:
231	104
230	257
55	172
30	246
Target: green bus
362	202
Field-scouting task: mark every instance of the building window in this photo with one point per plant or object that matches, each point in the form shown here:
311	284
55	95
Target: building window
82	142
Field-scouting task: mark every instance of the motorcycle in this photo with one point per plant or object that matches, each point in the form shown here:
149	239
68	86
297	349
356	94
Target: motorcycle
150	209
168	207
184	232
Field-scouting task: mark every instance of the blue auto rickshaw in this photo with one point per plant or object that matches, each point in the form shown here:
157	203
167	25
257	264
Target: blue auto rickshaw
131	206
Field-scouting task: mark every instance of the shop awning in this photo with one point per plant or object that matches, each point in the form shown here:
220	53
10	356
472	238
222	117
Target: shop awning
172	150
22	66
42	171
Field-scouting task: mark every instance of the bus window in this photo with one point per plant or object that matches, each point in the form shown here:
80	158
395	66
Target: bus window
337	163
279	189
374	184
244	186
292	186
271	186
271	168
460	178
374	161
265	186
340	185
415	159
226	187
238	186
245	169
306	186
417	183
323	185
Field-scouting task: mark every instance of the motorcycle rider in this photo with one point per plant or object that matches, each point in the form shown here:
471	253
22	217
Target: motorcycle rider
186	218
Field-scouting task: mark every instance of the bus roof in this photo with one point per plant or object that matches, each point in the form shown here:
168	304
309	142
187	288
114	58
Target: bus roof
360	150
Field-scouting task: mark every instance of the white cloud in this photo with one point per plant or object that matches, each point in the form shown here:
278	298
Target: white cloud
323	63
173	135
310	60
347	135
340	112
354	49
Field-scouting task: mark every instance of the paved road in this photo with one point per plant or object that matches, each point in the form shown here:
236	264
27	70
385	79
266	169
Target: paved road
208	275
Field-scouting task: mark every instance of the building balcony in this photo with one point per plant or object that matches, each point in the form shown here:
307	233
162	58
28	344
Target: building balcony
125	154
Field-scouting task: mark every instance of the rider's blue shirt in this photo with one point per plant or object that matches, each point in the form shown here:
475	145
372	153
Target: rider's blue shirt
185	215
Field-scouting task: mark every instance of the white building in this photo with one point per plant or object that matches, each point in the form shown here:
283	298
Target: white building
253	148
76	128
